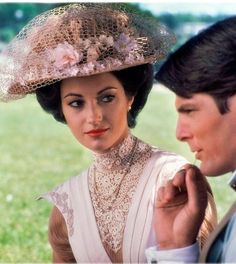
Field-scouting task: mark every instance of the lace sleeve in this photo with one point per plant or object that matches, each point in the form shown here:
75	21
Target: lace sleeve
58	238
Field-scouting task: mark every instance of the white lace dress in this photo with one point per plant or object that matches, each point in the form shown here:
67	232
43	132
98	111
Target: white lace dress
108	208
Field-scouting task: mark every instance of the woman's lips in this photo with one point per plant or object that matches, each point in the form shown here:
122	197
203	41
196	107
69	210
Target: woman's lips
96	132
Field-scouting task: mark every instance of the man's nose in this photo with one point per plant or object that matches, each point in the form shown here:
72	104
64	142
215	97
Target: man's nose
182	131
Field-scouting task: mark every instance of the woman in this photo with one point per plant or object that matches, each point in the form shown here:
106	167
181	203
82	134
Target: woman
90	66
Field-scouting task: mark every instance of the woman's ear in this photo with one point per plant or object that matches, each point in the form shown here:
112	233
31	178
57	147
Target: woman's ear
131	100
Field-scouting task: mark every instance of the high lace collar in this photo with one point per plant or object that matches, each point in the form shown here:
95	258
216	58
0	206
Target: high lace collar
113	178
117	156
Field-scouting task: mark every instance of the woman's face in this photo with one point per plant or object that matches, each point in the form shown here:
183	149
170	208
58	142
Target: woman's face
95	108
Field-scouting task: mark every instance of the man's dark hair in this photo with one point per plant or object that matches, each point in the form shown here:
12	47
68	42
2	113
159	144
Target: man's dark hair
137	81
204	64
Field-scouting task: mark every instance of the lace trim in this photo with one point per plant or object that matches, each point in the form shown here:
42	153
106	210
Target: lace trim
61	201
113	179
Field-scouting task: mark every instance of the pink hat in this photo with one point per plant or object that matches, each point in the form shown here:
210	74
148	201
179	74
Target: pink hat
79	40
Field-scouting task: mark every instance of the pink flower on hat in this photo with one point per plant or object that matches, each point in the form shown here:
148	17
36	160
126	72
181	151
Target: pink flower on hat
107	41
87	68
65	55
125	44
92	54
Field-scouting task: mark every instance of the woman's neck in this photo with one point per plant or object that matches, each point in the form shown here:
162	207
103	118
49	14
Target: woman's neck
117	156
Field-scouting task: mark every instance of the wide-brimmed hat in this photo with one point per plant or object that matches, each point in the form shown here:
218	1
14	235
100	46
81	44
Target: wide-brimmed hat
79	40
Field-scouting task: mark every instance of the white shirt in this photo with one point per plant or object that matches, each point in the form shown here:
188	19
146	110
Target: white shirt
179	255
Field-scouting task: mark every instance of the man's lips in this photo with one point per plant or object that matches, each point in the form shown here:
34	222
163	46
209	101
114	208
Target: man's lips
197	153
96	132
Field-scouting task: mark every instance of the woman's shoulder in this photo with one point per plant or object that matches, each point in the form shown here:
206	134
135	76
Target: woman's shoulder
62	191
163	160
161	155
167	156
166	163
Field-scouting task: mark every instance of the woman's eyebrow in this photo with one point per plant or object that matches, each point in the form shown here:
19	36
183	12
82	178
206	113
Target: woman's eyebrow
79	95
72	94
107	88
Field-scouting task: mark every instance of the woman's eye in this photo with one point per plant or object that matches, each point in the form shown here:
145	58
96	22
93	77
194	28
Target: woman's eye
77	103
107	98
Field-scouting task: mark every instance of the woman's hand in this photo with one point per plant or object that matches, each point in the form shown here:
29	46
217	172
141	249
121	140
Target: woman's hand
180	209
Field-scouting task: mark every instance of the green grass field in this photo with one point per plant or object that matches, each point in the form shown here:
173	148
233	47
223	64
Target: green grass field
38	153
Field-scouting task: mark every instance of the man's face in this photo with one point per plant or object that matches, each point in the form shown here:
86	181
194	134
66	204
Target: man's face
211	135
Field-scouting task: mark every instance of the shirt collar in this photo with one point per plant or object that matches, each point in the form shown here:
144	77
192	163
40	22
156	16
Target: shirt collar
232	181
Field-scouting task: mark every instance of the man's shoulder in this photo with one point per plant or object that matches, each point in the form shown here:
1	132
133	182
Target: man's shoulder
222	234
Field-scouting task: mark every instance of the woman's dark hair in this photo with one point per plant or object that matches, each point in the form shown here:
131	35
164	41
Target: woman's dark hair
204	64
137	81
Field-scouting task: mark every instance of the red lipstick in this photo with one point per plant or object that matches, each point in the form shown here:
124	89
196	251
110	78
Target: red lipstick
96	132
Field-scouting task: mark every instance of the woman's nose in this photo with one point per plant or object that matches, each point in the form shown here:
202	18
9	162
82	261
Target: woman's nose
94	114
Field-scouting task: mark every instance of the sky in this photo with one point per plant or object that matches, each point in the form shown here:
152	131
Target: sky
211	7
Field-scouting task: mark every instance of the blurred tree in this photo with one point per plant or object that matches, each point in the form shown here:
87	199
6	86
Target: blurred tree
14	16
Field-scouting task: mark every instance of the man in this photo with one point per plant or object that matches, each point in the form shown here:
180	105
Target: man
202	74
